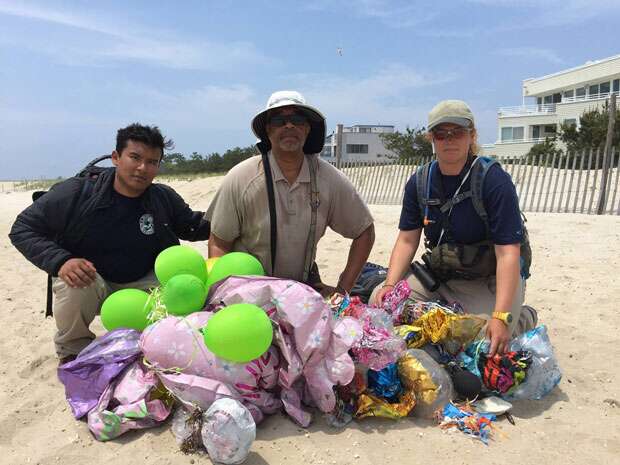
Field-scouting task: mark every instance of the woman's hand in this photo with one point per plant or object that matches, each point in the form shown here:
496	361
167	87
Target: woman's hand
377	301
498	334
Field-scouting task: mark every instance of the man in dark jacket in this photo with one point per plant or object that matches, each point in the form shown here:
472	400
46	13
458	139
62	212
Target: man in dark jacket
96	236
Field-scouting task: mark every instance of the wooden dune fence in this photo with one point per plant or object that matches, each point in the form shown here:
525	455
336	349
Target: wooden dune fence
560	183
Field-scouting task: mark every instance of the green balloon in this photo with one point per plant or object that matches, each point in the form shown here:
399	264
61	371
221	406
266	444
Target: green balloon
180	259
127	308
238	333
235	263
184	294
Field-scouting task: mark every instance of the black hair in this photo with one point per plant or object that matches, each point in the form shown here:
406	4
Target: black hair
148	135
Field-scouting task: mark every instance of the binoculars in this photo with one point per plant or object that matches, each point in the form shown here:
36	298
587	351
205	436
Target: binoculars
423	274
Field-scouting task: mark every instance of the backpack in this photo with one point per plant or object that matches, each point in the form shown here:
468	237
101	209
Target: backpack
479	170
370	277
91	171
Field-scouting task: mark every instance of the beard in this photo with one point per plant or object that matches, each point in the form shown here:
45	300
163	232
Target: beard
290	144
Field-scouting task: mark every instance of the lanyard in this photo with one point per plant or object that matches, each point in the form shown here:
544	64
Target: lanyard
453	196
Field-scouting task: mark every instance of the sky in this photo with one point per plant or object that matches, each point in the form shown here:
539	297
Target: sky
73	72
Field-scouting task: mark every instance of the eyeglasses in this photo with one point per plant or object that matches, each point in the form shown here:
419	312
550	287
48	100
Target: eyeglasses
456	133
280	120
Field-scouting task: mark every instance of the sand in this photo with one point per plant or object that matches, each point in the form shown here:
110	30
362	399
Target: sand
574	285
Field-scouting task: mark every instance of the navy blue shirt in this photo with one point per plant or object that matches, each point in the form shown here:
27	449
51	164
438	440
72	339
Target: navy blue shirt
120	240
466	227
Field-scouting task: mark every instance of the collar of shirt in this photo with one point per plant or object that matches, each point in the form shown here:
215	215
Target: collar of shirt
304	173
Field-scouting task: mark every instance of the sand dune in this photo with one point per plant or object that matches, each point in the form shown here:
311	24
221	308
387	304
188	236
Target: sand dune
574	285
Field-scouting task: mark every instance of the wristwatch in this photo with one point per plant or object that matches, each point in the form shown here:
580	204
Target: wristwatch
506	317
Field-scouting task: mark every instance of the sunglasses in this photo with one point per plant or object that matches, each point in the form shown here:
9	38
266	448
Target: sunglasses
456	133
280	120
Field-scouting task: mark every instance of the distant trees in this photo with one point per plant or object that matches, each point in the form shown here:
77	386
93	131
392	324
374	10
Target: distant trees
411	144
592	130
177	163
590	134
548	146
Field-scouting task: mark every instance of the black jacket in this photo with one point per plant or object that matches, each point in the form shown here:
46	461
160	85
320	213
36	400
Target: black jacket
46	232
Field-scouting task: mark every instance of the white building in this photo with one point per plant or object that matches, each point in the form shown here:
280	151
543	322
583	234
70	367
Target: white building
359	142
554	99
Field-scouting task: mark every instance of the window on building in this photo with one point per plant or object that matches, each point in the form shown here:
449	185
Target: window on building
536	132
539	100
593	90
548	99
364	129
517	133
569	93
557	98
550	129
357	148
616	86
604	88
510	133
570	122
580	92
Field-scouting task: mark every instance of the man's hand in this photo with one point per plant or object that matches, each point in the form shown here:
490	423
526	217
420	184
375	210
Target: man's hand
497	333
77	272
325	290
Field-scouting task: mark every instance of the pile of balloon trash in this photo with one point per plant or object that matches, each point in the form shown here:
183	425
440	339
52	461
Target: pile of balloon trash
218	345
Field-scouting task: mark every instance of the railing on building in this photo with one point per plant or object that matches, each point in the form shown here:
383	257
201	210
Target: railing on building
526	110
583	98
553	183
549	108
537	140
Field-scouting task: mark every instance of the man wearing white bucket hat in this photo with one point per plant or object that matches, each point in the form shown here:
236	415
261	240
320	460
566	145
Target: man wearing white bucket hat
278	205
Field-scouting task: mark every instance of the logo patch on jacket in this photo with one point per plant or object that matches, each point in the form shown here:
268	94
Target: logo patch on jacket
147	225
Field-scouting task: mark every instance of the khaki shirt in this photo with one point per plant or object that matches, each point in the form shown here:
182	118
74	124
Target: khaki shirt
239	212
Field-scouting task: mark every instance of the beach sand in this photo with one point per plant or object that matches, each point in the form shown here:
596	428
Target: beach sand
574	286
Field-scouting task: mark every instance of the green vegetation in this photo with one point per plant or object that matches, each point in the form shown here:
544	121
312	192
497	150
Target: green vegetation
579	141
36	184
592	130
177	163
173	166
409	145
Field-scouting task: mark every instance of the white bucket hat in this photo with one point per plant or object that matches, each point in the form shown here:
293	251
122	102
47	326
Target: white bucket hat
284	98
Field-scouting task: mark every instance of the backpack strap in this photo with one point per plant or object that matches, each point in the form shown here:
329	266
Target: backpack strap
477	177
446	207
314	206
48	305
273	222
422	180
90	169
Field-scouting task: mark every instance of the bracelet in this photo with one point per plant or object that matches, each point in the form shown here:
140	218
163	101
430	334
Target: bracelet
388	285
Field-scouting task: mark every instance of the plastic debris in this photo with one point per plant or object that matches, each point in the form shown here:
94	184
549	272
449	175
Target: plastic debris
493	404
429	381
465	419
228	431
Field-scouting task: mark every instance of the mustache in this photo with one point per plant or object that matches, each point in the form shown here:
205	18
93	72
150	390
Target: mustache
289	134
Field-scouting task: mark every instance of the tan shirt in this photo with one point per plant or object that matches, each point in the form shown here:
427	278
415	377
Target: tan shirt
239	212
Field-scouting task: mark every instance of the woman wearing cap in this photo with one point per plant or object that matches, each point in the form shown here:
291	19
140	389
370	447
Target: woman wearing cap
474	262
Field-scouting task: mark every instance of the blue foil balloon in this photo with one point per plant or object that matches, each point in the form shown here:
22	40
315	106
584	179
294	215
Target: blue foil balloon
385	383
